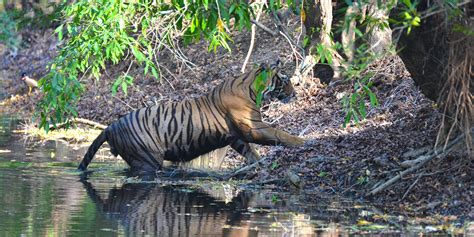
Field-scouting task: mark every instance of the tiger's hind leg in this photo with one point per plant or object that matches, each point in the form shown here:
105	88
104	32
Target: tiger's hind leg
142	162
246	150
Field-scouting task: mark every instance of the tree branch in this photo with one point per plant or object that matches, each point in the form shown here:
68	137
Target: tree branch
252	39
81	121
263	27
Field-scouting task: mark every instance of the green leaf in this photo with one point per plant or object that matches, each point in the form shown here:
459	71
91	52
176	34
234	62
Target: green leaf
407	16
407	3
232	8
124	87
354	98
358	33
362	110
116	85
154	72
203	23
259	85
59	31
356	118
347	118
373	99
138	54
416	21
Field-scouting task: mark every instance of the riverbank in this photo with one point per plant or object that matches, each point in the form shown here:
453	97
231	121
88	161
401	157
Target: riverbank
345	161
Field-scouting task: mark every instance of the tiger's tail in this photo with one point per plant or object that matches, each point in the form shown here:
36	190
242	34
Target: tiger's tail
92	150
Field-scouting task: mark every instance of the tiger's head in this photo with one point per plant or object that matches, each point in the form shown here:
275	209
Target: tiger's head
278	85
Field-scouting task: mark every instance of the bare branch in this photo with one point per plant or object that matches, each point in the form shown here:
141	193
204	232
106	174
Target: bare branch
263	27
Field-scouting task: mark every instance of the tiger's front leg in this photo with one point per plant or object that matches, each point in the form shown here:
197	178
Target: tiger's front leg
262	134
273	136
246	150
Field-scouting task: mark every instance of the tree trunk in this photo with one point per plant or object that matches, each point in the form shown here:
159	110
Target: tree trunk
440	61
318	22
379	39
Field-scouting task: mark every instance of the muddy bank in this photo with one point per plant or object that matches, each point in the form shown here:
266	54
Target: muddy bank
347	161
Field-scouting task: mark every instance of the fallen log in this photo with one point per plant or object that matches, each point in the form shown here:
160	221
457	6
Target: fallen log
78	121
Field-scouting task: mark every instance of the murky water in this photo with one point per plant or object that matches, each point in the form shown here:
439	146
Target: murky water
42	194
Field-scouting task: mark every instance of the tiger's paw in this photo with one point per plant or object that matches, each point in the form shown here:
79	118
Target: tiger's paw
297	142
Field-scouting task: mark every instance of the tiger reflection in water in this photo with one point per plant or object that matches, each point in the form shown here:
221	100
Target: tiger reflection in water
213	209
182	131
154	210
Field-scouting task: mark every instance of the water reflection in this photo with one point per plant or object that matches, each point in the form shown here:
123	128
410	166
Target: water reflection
152	209
14	145
216	209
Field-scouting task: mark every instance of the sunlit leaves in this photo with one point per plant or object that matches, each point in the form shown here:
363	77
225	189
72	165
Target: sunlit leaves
59	31
324	53
409	17
62	96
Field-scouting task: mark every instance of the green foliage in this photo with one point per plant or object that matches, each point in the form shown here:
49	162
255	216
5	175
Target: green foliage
8	31
361	98
323	174
61	97
408	16
99	32
361	180
260	85
13	20
124	82
36	17
209	19
324	53
356	102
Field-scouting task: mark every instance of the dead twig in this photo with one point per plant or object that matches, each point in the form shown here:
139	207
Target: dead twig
411	187
264	28
282	31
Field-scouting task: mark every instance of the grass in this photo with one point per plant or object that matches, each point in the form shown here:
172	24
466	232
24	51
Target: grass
71	135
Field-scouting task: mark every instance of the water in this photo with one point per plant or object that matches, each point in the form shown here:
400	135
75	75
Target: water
42	194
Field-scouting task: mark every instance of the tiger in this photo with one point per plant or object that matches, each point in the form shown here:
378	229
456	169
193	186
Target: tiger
183	130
